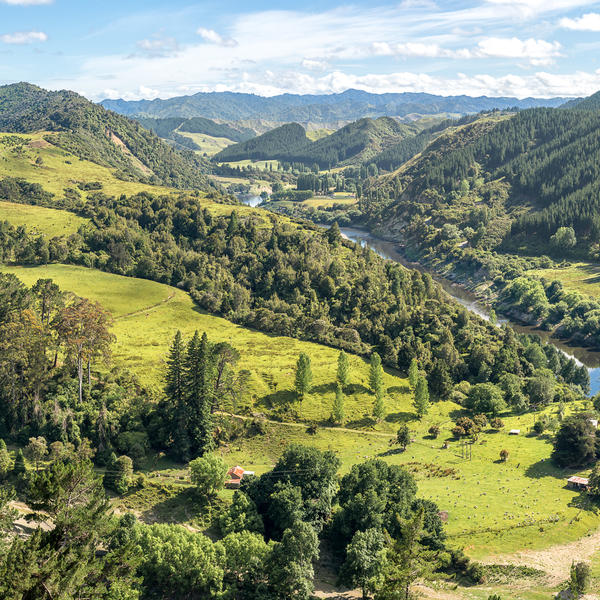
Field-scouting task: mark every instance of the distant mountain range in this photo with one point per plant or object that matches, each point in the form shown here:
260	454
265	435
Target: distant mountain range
318	109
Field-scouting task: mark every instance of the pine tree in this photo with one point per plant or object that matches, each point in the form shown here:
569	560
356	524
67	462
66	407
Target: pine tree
379	406
375	373
303	378
343	369
413	373
337	413
421	401
199	392
19	466
176	396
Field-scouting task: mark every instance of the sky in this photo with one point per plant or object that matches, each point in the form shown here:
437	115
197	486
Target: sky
136	49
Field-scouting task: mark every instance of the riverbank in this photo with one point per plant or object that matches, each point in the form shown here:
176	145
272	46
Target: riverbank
392	251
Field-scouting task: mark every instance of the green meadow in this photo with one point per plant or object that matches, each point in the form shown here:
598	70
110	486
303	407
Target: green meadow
40	220
60	169
579	277
208	144
493	507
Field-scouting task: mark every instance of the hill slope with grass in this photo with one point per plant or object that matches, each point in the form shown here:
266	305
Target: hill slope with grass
92	133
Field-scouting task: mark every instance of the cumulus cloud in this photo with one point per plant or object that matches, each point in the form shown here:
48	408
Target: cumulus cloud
538	52
315	65
212	37
23	37
588	22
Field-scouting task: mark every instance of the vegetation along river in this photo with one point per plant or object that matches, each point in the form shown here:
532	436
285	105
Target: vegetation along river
389	250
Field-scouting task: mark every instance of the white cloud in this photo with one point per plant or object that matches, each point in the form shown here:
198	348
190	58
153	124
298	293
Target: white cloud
588	22
158	47
27	2
531	8
212	37
538	52
23	37
314	65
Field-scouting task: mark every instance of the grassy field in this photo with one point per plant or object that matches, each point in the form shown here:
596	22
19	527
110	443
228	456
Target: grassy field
316	134
208	144
579	277
494	507
326	201
38	219
264	165
60	169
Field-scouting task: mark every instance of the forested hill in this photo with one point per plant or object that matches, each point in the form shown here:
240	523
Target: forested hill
590	103
355	143
349	105
537	171
91	132
284	140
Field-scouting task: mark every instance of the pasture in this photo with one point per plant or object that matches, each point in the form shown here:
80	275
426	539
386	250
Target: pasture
40	220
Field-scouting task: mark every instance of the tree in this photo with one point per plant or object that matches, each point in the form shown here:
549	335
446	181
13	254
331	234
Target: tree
563	239
36	450
579	578
486	398
504	455
421	401
496	423
241	516
594	483
375	373
48	298
199	393
574	443
83	327
413	373
303	379
403	436
343	369
365	560
290	568
176	398
337	413
119	473
434	431
19	467
408	560
440	381
4	459
379	406
208	474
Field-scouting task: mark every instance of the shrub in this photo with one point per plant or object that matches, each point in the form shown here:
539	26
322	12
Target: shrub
458	431
539	426
434	430
497	423
580	576
504	455
480	420
476	573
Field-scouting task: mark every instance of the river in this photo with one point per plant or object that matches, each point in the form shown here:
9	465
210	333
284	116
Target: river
389	250
249	200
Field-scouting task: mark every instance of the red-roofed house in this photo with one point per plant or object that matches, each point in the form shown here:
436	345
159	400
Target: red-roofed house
236	474
581	483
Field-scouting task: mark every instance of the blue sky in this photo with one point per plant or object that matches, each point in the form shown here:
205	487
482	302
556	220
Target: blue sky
146	49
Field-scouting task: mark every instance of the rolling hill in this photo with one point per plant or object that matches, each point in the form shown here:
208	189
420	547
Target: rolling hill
355	143
347	106
92	133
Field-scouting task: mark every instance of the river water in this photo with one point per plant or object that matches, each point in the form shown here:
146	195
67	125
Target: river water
389	250
249	200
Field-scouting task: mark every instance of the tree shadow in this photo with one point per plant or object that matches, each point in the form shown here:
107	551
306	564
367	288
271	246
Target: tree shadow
392	451
400	417
360	423
398	389
584	502
545	468
355	388
278	399
457	413
324	388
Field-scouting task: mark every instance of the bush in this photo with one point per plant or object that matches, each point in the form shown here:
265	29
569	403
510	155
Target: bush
434	430
497	423
480	420
504	455
208	474
539	426
476	573
579	580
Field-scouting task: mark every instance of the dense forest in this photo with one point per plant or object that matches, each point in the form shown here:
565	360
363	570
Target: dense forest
356	142
90	132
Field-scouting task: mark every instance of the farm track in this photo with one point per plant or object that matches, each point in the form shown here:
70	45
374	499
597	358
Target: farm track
146	308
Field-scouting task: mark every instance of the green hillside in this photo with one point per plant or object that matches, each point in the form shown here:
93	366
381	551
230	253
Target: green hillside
355	143
92	133
283	140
